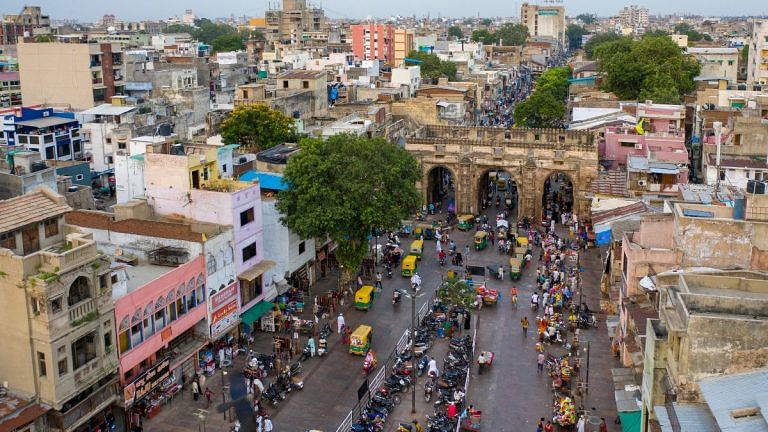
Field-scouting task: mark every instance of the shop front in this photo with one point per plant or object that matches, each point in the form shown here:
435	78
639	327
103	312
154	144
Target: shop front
145	395
225	313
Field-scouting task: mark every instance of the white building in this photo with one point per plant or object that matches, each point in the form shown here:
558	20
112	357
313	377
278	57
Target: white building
757	66
129	168
717	62
407	76
634	17
106	129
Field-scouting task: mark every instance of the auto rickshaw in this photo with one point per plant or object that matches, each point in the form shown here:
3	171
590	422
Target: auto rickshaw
520	257
364	298
481	240
522	242
409	265
515	268
427	230
360	340
466	222
501	184
417	248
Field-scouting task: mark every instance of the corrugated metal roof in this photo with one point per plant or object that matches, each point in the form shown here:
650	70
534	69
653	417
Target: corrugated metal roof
725	394
692	418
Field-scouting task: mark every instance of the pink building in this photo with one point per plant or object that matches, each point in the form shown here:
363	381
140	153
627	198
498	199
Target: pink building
374	42
662	138
163	315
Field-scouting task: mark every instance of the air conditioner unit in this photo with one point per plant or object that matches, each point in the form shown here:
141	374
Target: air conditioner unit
638	146
641	183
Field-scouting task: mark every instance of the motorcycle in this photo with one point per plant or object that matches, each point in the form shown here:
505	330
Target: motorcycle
369	364
429	387
235	427
396	297
421	367
388	270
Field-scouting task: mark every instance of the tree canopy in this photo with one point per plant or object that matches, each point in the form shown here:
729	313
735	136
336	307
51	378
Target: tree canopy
257	128
574	33
586	18
597	40
486	22
346	187
545	107
222	37
455	32
432	67
652	68
693	35
512	34
484	36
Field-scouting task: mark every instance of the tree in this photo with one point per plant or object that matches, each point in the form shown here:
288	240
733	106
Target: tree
257	128
655	33
432	67
586	18
540	110
346	187
597	40
512	34
555	81
745	54
228	42
652	67
486	22
455	32
483	36
574	33
693	35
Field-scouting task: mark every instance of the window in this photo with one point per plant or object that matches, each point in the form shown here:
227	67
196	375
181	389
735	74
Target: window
627	144
121	145
722	174
8	240
249	251
35	303
56	305
285	84
211	264
51	227
104	281
246	217
108	340
62	366
83	350
730	62
79	177
109	140
302	247
78	291
305	84
42	371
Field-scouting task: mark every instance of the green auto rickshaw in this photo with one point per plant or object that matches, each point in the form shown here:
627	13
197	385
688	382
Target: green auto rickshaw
515	268
481	240
466	222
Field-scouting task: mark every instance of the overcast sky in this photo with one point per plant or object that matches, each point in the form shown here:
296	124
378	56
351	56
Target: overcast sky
92	10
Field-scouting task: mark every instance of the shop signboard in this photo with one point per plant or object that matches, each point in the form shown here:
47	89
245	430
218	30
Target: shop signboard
223	318
223	297
548	12
144	384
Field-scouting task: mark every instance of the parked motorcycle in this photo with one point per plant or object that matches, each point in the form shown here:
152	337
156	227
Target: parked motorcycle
421	367
429	387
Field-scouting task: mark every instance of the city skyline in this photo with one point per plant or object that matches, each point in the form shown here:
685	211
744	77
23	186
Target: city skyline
93	10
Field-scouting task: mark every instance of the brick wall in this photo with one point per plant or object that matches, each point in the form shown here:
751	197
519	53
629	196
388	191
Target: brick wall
102	221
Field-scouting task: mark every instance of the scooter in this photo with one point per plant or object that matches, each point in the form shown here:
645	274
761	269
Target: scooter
235	427
429	388
396	297
422	366
388	270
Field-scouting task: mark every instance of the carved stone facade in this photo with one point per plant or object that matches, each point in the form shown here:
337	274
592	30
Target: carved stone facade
530	156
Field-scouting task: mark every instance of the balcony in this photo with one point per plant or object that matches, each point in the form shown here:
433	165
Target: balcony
97	81
83	312
84	410
74	253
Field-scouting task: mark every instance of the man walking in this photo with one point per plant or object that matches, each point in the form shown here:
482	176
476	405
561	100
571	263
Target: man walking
524	324
195	390
378	280
540	363
340	323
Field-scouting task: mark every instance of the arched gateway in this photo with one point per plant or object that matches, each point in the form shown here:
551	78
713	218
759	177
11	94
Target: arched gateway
530	156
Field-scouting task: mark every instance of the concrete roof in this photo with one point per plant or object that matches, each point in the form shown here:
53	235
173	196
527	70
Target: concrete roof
46	122
728	394
723	50
109	109
144	273
30	208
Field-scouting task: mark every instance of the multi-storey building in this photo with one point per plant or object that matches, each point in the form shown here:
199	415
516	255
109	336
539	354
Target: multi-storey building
720	62
634	17
544	21
80	75
57	312
106	129
403	44
10	89
291	26
757	66
373	42
55	135
30	22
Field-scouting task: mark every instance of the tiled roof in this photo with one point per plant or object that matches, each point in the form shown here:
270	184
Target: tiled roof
612	182
30	208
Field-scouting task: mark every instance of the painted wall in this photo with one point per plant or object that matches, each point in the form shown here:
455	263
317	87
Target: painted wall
281	245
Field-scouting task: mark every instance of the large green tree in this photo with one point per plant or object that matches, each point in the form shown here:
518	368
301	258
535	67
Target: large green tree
222	37
257	128
540	110
484	36
597	40
455	32
652	66
693	35
346	187
432	67
512	34
586	18
574	33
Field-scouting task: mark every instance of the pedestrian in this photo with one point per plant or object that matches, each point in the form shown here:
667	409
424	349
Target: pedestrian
466	250
524	324
359	281
540	363
549	427
340	323
268	424
581	424
603	426
467	320
208	396
460	321
378	280
195	390
493	237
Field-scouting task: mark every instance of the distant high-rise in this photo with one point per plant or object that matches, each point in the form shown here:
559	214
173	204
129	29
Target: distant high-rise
544	21
30	22
373	42
757	65
296	25
189	17
634	17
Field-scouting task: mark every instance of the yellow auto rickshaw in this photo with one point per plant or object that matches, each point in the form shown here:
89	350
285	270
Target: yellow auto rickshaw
501	184
521	257
522	241
360	340
515	268
481	240
466	222
417	248
427	230
364	298
409	265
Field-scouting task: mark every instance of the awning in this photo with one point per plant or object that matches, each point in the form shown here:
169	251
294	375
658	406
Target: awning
664	170
257	270
630	421
256	312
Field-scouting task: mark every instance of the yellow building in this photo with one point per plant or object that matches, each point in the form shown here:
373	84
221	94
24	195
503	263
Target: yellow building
403	41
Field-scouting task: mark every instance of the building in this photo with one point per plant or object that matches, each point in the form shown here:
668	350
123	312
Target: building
544	21
757	64
634	17
743	143
24	171
20	413
374	42
721	63
291	26
53	134
30	22
409	77
106	130
403	44
57	312
80	75
711	325
10	89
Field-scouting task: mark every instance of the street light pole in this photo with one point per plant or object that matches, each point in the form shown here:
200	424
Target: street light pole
413	347
223	393
587	380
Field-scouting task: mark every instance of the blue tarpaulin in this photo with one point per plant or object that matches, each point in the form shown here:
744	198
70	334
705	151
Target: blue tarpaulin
602	234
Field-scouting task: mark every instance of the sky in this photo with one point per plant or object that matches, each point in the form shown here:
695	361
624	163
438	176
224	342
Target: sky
135	10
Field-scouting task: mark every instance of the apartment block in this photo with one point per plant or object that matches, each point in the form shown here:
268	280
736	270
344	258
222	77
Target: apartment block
721	63
403	41
544	21
634	17
53	134
57	312
30	22
80	75
757	65
374	42
293	25
10	89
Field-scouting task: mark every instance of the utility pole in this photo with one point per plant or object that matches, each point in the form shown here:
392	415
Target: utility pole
413	346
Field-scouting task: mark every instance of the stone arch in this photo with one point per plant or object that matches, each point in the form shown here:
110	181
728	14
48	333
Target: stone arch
432	181
79	290
571	181
481	178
